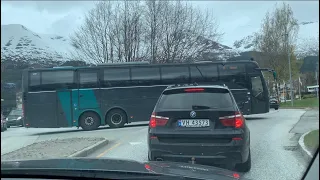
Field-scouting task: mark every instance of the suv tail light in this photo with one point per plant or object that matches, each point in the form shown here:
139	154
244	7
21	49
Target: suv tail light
157	120
236	120
194	90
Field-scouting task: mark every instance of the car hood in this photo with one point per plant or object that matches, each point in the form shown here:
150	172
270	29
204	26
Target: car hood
102	164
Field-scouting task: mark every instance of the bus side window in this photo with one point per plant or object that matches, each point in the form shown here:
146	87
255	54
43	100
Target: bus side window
237	81
116	77
204	73
57	80
174	74
88	80
145	76
257	87
34	81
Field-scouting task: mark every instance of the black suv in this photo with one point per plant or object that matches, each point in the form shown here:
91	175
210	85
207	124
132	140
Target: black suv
199	124
274	103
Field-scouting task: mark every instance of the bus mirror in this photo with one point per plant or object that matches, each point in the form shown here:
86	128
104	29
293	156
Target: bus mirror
274	75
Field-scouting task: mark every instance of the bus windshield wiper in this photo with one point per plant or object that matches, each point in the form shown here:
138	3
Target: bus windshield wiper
194	107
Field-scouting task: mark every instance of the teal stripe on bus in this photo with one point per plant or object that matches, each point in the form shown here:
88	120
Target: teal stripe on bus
89	102
64	98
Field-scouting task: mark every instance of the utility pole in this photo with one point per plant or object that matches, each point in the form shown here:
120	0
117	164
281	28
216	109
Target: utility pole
299	83
290	75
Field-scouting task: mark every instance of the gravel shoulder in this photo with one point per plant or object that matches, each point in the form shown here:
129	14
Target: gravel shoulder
51	149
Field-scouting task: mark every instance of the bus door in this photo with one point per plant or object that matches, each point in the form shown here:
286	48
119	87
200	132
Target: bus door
259	95
242	97
88	91
64	108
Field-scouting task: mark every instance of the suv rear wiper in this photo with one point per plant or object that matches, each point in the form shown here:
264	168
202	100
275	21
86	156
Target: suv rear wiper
194	107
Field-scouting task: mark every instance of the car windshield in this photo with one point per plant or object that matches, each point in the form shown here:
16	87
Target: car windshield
15	113
89	80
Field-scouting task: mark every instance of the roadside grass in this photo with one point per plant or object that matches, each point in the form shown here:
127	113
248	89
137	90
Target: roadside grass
311	140
309	102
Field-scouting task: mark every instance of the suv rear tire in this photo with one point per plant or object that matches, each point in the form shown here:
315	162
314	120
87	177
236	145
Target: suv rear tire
246	166
116	118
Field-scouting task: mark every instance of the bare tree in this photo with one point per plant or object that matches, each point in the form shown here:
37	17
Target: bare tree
131	29
161	31
272	43
91	40
183	29
154	26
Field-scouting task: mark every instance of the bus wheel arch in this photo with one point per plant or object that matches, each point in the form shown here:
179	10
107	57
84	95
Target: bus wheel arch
89	120
116	117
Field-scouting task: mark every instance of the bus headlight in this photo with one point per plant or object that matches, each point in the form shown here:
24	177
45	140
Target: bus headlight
19	118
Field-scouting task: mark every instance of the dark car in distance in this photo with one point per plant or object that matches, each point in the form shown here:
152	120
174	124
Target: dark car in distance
199	124
274	103
15	118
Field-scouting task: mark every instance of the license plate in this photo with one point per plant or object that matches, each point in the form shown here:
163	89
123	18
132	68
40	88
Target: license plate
194	123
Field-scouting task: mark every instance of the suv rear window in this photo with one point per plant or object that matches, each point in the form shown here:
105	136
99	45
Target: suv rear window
183	100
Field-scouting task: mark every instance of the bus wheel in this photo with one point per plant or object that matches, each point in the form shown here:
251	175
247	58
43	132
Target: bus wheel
89	121
116	118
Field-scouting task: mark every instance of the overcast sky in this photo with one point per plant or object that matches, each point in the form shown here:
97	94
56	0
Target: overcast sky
237	19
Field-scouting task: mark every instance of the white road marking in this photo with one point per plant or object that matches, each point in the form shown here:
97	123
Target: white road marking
135	143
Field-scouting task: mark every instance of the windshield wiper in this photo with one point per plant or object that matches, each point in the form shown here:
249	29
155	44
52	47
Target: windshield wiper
195	107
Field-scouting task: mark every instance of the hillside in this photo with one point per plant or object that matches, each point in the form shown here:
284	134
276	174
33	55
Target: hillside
21	44
308	31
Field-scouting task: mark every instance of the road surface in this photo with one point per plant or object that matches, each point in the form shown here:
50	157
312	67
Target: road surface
274	149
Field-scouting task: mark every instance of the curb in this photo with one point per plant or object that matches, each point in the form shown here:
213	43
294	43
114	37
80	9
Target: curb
88	150
303	149
306	108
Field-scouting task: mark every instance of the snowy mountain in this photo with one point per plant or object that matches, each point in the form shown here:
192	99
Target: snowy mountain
21	44
308	31
245	44
214	50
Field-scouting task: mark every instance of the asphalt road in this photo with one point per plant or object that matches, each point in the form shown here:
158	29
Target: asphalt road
274	149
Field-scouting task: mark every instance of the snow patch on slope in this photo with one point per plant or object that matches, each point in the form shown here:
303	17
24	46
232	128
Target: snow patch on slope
18	42
307	31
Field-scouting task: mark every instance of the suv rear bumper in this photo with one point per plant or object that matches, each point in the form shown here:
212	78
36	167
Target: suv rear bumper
229	153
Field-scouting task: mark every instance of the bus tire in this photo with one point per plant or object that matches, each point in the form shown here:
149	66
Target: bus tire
89	121
116	118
